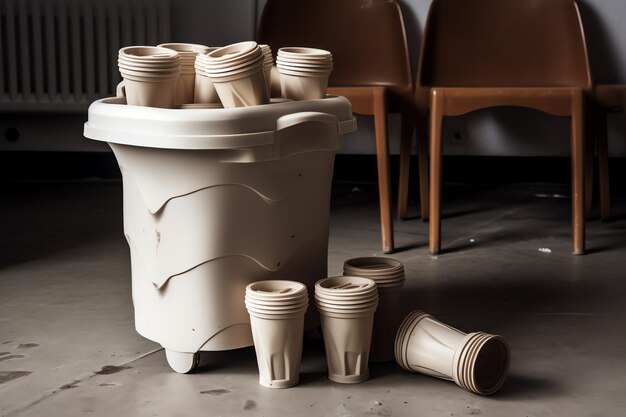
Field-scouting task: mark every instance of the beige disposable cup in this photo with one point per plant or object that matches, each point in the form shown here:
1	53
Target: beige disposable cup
347	345
477	362
204	90
160	93
303	88
275	88
278	346
386	323
242	90
186	83
185	88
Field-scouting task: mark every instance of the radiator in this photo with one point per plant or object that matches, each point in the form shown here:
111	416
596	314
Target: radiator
60	55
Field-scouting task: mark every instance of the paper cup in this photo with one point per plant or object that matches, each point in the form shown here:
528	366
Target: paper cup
278	346
477	362
244	91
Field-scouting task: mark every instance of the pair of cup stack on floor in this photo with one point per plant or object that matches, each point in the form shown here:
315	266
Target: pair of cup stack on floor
359	312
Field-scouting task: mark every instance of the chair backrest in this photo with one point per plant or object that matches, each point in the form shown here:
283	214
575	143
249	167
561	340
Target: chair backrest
366	37
504	43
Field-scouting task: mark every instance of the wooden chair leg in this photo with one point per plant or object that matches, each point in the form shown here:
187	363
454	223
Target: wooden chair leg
436	120
382	157
422	155
578	174
589	151
406	140
603	164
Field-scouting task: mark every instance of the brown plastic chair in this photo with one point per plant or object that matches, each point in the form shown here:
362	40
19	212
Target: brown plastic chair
608	99
489	53
371	68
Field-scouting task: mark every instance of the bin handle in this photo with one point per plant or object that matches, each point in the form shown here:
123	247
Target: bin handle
305	132
292	119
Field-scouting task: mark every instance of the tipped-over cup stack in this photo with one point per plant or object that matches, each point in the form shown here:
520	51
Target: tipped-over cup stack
268	63
187	79
204	90
237	73
389	277
477	362
347	306
304	72
277	311
150	75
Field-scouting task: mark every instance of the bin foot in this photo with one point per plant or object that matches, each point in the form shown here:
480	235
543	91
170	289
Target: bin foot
182	362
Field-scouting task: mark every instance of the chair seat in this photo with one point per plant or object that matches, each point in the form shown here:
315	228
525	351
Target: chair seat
552	100
362	98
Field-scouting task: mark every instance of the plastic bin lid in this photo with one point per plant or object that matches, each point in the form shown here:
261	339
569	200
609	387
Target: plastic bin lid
111	120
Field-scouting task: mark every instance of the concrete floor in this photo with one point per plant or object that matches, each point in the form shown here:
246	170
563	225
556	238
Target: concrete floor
68	345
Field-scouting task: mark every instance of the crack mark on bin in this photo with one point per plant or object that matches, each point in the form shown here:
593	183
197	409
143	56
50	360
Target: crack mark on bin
154	207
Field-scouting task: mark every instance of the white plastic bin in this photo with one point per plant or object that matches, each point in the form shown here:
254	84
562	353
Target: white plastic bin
215	199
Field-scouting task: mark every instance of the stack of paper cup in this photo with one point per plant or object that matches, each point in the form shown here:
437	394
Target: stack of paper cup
347	306
237	74
304	72
277	311
389	277
204	90
477	362
150	75
268	63
186	82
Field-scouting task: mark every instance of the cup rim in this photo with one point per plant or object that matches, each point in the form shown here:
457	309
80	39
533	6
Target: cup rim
240	49
332	284
304	51
160	53
192	48
371	263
